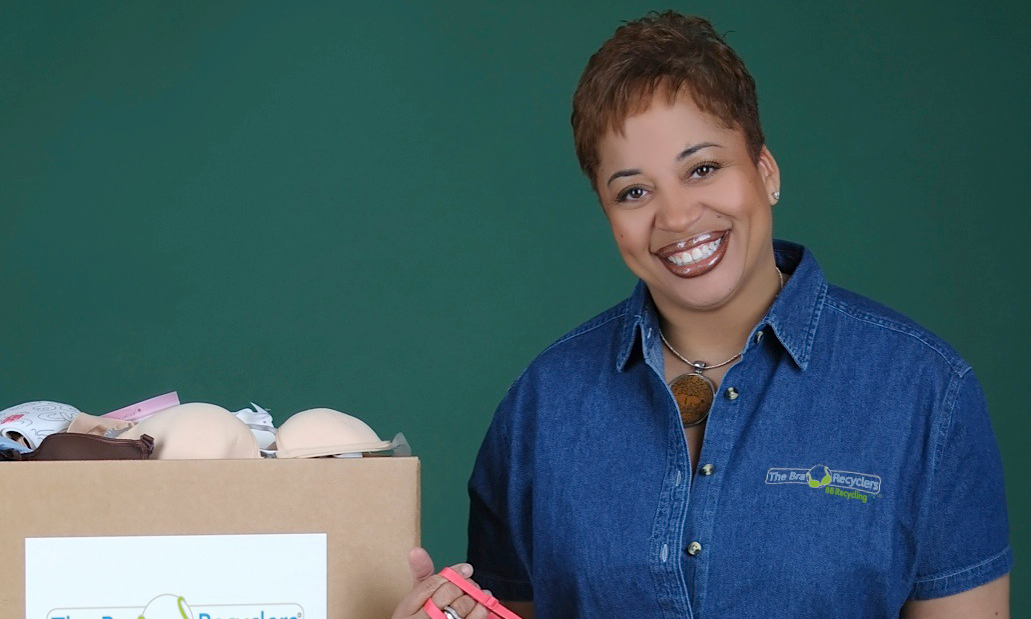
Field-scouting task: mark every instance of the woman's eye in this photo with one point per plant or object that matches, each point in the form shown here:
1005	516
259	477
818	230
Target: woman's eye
630	194
703	170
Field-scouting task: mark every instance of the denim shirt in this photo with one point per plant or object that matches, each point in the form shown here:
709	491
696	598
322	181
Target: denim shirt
848	466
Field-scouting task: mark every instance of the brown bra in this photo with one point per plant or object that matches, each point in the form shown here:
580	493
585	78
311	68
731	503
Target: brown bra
74	446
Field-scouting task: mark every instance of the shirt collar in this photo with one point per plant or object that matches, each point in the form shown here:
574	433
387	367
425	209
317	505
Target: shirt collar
640	318
795	313
793	317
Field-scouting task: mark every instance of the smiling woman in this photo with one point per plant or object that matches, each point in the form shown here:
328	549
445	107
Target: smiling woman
659	190
730	458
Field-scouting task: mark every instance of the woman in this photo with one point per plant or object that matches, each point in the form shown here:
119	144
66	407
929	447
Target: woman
737	438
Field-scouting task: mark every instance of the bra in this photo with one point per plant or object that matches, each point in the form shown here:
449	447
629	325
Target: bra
74	446
196	431
31	422
325	432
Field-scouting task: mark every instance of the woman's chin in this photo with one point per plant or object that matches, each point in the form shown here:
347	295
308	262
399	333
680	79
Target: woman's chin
695	300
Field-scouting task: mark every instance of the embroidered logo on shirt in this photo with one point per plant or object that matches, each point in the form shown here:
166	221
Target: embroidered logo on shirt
845	484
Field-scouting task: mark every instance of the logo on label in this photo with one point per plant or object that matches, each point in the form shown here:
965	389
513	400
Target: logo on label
845	484
167	607
175	607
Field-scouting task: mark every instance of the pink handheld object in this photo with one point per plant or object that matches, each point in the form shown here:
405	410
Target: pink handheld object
146	408
490	602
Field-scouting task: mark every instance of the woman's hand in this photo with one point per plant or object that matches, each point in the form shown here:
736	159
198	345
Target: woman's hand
428	584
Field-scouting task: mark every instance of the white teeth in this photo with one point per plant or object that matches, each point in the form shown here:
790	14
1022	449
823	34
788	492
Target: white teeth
695	254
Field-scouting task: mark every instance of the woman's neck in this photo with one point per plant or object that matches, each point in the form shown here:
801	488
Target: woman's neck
715	335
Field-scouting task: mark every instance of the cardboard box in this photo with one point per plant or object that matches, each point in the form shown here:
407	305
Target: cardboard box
363	511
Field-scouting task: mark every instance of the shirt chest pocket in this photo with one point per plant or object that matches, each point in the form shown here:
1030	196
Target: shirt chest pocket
816	531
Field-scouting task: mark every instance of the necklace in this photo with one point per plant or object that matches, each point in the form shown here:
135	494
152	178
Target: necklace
693	391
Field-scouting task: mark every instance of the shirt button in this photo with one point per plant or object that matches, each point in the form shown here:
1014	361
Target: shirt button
694	548
759	336
707	469
732	393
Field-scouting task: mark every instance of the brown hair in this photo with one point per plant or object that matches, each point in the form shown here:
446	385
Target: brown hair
662	52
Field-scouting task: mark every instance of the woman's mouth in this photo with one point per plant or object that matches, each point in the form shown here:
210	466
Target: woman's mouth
695	256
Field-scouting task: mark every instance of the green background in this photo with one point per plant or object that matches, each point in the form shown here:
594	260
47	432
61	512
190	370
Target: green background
376	207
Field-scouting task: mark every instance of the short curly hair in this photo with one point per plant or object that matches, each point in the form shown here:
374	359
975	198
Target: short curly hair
662	53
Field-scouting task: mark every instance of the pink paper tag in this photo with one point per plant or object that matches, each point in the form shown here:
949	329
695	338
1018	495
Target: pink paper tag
146	408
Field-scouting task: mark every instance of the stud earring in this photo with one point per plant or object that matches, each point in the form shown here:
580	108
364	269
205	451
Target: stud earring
776	195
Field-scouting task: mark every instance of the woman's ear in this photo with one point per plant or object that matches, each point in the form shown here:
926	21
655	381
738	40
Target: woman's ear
770	172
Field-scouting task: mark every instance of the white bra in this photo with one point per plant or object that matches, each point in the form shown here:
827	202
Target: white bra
31	422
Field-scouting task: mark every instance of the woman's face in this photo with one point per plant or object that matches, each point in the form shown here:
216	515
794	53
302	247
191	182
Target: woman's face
689	209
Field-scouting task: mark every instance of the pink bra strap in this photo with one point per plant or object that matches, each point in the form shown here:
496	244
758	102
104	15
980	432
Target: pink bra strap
490	602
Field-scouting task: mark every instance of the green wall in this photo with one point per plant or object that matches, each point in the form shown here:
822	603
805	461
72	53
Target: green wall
377	208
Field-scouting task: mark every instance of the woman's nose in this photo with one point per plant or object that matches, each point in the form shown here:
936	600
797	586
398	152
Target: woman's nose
677	211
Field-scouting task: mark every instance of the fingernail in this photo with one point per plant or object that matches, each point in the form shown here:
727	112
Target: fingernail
487	591
465	570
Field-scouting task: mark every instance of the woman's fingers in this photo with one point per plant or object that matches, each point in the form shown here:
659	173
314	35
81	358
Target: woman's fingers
467	608
412	603
430	586
447	595
420	563
462	603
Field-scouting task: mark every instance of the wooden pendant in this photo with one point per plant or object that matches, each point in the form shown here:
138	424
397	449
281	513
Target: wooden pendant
694	394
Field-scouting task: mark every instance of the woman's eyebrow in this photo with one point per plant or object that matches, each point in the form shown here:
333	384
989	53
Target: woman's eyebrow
630	172
690	150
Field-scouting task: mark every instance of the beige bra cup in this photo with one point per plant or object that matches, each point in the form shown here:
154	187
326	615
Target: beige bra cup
196	431
325	432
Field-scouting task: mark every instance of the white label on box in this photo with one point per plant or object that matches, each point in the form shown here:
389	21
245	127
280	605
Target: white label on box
280	576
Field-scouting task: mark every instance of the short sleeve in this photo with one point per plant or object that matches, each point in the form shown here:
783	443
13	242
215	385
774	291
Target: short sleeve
500	529
965	532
